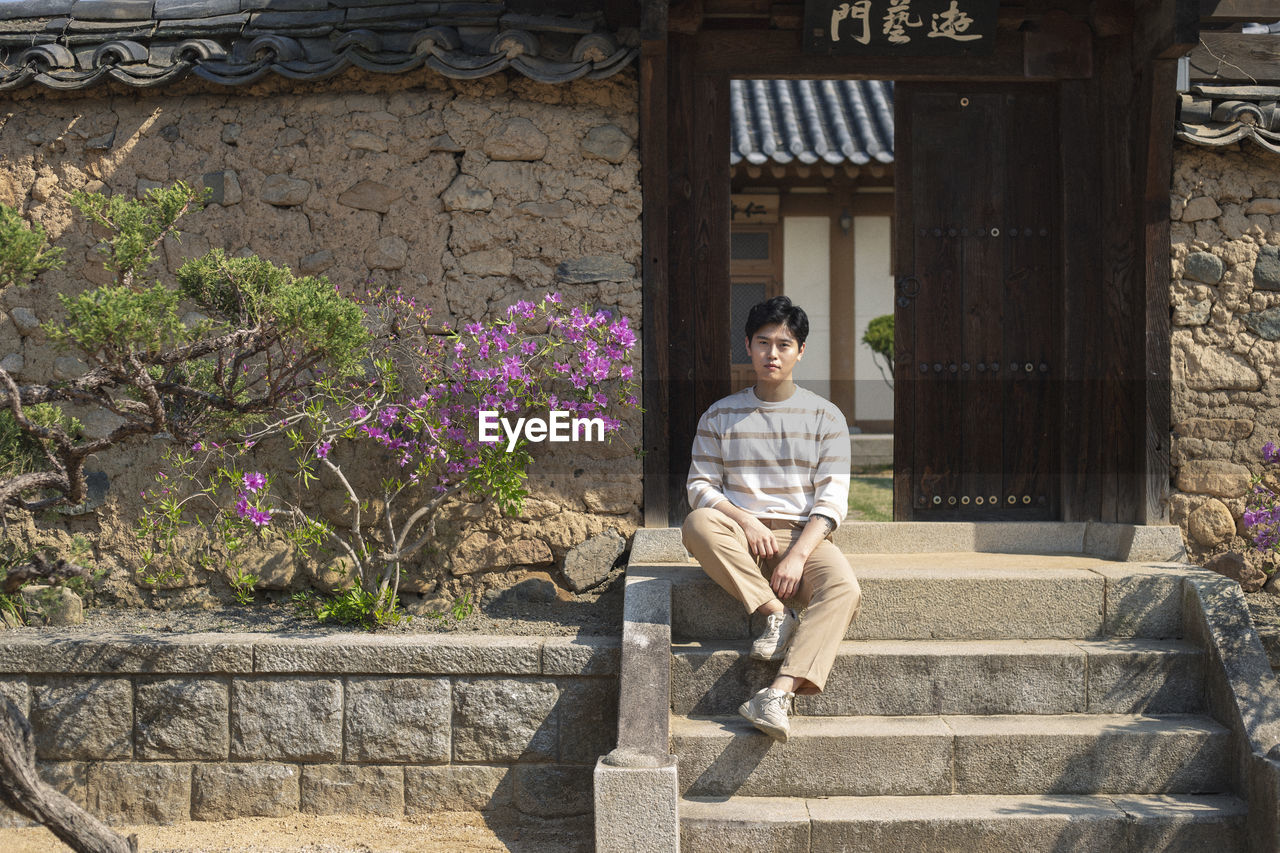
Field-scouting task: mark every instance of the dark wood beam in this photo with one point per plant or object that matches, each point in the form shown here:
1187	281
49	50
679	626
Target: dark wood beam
1080	154
1157	111
1236	58
760	53
686	18
1058	46
1119	304
1239	11
1165	29
904	333
653	177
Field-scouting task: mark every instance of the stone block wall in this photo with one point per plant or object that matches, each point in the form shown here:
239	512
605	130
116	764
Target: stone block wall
467	195
1225	302
222	726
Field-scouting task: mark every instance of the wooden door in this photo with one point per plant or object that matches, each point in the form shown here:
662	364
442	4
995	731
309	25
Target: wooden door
755	274
978	303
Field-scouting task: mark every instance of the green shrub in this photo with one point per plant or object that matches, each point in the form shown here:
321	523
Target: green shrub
879	336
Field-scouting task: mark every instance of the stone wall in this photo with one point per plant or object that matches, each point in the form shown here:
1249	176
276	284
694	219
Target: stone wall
215	727
467	195
1225	299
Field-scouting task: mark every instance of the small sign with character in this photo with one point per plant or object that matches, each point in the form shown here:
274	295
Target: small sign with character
900	27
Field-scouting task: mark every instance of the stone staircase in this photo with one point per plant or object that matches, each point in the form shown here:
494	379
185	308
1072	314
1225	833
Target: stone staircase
981	702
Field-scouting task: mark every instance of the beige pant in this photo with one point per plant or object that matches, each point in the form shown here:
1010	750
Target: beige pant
827	587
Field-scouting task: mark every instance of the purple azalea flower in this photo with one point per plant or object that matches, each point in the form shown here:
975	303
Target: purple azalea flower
512	368
1269	453
254	481
259	517
322	449
359	412
624	337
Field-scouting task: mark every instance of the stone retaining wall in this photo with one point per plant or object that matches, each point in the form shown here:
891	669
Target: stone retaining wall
1225	302
218	726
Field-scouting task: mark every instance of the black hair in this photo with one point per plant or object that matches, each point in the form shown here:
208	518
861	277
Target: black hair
778	310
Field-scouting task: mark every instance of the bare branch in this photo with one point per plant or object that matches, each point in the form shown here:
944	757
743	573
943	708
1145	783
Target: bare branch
424	512
11	490
24	791
40	569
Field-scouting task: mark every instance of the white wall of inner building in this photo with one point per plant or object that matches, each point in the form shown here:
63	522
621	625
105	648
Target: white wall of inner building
873	296
806	278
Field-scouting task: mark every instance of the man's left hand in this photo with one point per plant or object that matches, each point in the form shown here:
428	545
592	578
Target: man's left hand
786	575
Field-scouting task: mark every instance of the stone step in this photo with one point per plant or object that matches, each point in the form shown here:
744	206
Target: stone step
969	823
890	677
967	596
929	756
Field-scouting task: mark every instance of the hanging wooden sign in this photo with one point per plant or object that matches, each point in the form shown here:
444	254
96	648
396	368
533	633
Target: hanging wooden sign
754	209
900	27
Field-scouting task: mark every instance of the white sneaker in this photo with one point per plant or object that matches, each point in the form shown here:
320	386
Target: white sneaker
767	710
778	630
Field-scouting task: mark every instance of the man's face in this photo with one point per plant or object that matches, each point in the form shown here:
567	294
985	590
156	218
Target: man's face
774	353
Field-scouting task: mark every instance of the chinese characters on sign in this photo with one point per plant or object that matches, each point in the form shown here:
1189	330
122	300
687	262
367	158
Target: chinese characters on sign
900	27
755	209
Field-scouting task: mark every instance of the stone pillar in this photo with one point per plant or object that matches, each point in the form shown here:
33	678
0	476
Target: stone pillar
637	804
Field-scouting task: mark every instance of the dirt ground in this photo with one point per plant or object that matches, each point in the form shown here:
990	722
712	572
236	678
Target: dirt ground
533	607
445	832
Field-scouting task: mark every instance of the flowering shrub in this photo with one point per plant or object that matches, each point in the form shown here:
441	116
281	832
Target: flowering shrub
1262	513
413	416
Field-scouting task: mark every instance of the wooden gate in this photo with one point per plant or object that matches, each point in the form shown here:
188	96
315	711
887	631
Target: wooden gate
1067	128
979	301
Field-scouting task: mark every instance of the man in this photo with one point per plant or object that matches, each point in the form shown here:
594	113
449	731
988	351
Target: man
769	484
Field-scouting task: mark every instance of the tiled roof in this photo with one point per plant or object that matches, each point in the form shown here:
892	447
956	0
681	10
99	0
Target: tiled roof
73	44
811	121
1217	116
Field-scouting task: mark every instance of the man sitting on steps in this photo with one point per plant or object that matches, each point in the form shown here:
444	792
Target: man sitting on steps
769	484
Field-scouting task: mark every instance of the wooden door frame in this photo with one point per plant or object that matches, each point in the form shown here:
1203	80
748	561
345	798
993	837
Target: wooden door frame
1117	126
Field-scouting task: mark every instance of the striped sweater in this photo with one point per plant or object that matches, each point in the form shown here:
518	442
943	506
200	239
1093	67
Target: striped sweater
785	460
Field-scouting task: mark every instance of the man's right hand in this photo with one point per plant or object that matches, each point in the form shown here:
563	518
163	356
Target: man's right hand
760	539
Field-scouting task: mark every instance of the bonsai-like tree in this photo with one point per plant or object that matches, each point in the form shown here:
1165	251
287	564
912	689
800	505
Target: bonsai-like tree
155	373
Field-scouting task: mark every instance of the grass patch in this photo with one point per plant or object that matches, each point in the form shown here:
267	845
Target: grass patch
871	495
